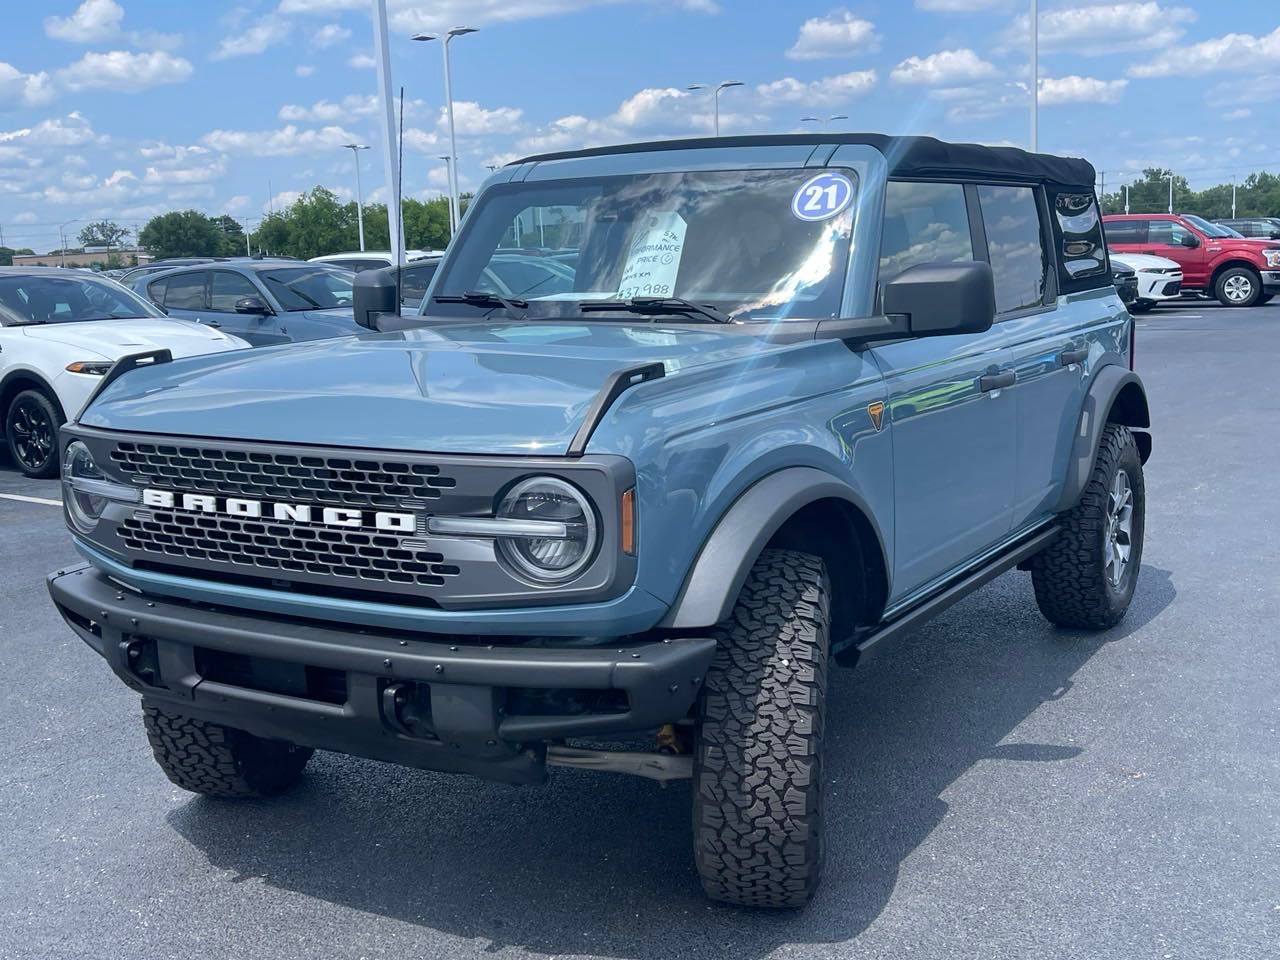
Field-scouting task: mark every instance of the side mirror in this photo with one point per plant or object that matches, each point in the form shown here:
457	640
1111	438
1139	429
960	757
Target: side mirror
374	295
1190	240
939	299
254	305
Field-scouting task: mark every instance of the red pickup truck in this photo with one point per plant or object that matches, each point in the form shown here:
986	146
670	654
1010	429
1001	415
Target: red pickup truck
1215	260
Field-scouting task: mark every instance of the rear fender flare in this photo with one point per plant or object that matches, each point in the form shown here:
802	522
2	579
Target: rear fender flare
1116	395
712	586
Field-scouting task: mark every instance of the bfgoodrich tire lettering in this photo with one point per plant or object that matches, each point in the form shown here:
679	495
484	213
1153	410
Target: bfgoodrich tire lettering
758	778
220	761
1073	588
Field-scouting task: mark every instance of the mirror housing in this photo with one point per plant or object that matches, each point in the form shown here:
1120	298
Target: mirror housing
1190	241
253	305
940	299
373	294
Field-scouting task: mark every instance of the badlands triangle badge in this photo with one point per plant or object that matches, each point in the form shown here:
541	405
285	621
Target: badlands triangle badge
876	412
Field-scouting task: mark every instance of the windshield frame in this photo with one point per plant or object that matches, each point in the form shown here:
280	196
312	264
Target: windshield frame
145	309
864	165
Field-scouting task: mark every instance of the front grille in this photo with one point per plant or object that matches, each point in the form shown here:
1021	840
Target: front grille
1172	288
288	547
268	475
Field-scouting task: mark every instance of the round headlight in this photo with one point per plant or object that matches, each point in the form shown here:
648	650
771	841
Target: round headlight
85	509
572	530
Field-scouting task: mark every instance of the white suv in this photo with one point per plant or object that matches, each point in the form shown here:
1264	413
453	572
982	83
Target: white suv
1158	279
60	332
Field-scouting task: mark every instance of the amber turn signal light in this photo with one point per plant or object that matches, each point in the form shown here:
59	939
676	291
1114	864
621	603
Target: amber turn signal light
629	522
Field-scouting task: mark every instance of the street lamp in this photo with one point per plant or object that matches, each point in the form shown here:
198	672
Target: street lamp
715	96
355	149
453	223
448	99
1035	77
1171	193
824	120
62	241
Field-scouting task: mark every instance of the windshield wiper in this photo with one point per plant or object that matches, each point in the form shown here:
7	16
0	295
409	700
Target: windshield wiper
514	306
658	305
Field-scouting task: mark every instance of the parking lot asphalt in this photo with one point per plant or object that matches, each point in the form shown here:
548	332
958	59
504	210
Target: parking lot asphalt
1000	789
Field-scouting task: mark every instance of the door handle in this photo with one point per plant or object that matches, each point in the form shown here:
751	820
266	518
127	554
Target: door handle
1067	357
997	381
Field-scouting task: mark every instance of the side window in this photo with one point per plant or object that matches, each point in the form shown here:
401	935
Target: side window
1126	231
1077	228
923	222
155	291
1169	234
185	292
225	288
414	280
1015	242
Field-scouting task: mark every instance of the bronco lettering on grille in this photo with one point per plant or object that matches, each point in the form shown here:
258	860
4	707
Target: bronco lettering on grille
294	512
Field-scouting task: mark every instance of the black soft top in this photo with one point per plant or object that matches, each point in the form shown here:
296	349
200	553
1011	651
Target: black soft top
924	157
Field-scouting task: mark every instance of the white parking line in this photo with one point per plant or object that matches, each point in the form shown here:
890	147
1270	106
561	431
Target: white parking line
42	500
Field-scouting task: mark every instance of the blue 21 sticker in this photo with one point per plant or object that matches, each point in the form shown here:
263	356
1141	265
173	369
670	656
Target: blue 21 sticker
822	197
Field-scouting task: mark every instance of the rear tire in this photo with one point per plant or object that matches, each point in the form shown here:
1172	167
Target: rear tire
218	761
31	426
1238	287
1079	579
758	780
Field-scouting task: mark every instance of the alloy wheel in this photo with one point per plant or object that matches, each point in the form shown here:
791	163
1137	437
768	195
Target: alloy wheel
1118	545
32	434
1238	289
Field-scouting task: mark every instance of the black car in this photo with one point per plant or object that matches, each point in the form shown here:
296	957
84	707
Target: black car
1262	228
1126	282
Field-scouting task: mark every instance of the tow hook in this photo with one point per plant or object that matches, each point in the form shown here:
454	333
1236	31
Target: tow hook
673	740
395	697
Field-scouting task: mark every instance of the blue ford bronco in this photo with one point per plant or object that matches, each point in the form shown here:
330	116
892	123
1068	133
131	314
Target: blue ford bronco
762	405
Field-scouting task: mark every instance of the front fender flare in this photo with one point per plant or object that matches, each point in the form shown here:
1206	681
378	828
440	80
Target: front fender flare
1097	411
712	586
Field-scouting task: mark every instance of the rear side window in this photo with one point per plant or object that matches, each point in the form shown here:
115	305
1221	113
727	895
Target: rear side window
186	292
1077	230
923	223
1126	231
1015	242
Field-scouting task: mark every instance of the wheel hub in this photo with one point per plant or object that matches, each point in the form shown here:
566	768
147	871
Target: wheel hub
32	435
1118	543
1238	289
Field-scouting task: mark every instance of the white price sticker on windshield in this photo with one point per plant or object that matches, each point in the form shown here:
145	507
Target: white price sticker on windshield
822	197
653	262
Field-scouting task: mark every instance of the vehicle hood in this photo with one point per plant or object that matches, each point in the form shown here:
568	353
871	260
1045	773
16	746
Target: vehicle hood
459	388
111	339
1142	261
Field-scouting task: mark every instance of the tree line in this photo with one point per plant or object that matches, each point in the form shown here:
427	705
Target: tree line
1257	195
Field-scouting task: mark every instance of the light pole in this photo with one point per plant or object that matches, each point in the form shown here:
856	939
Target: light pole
448	99
355	149
1126	198
1171	193
62	241
1233	196
824	120
453	220
1035	77
390	151
715	96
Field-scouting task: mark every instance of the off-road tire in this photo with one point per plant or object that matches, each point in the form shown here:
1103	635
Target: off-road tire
46	409
1069	576
1234	273
220	761
758	778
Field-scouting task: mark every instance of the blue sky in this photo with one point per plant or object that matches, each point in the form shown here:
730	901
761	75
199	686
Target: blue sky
127	108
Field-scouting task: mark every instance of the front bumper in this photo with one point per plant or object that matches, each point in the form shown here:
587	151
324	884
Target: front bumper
1159	286
1271	281
430	704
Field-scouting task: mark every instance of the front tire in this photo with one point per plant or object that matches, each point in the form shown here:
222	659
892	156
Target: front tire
1141	306
758	779
1238	287
218	761
1085	578
31	427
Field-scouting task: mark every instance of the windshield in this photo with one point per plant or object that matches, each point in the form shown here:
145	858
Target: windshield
309	288
755	244
40	298
1212	229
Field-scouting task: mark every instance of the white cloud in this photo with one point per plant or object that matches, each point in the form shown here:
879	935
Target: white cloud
1073	89
472	120
207	172
962	6
648	108
942	69
282	200
362	61
92	22
1102	28
1235	52
304	70
286	141
265	32
26	216
352	105
567	133
828	91
124	72
237	204
330	34
838	34
1241	113
69	131
421	141
18	89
